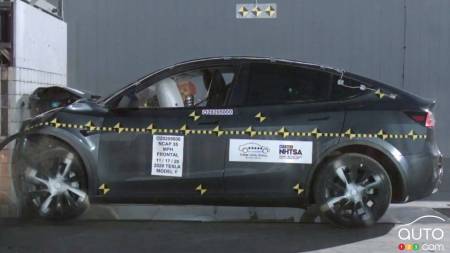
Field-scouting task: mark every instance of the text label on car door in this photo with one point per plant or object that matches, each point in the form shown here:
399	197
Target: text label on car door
167	158
270	151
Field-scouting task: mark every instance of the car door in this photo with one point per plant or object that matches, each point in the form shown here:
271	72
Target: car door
126	153
284	121
207	141
161	150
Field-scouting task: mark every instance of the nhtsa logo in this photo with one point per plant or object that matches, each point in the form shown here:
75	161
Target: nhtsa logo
413	237
288	151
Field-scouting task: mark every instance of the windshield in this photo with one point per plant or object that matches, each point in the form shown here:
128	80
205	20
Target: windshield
106	99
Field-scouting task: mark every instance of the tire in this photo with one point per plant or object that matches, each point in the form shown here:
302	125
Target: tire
352	190
52	180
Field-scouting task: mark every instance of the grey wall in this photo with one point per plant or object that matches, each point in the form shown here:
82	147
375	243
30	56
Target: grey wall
404	42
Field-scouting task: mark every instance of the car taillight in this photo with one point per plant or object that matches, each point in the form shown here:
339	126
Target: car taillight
429	121
424	118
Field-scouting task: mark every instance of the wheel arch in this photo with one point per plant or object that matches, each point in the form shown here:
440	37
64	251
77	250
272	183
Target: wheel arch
389	157
78	145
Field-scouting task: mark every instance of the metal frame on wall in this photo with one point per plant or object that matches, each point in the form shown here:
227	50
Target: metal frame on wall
6	60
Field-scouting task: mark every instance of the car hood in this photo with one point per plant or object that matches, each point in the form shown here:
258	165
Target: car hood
84	105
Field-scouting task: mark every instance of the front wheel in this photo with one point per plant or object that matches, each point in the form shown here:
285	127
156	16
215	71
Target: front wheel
53	181
352	190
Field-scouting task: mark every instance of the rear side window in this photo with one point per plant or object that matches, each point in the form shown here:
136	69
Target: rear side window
283	84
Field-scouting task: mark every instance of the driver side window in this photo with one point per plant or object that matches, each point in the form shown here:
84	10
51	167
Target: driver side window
197	88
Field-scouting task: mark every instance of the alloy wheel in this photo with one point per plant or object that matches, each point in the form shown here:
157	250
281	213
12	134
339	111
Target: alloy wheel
55	184
355	191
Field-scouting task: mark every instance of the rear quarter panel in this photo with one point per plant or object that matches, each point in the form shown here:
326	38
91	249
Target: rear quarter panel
391	126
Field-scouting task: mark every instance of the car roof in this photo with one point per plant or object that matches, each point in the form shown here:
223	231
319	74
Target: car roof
240	59
243	59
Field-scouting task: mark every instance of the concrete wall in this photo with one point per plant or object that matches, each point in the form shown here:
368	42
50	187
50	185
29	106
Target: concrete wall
404	42
40	40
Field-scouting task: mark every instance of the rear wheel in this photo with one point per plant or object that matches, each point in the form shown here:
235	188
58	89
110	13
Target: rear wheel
53	180
352	190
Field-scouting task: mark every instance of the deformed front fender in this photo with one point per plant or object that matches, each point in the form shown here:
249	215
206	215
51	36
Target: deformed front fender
76	141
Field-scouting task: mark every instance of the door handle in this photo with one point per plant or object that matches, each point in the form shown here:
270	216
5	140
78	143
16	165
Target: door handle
319	118
213	122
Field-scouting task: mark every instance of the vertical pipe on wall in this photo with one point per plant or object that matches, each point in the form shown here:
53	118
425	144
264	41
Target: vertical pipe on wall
4	100
7	38
405	19
61	9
